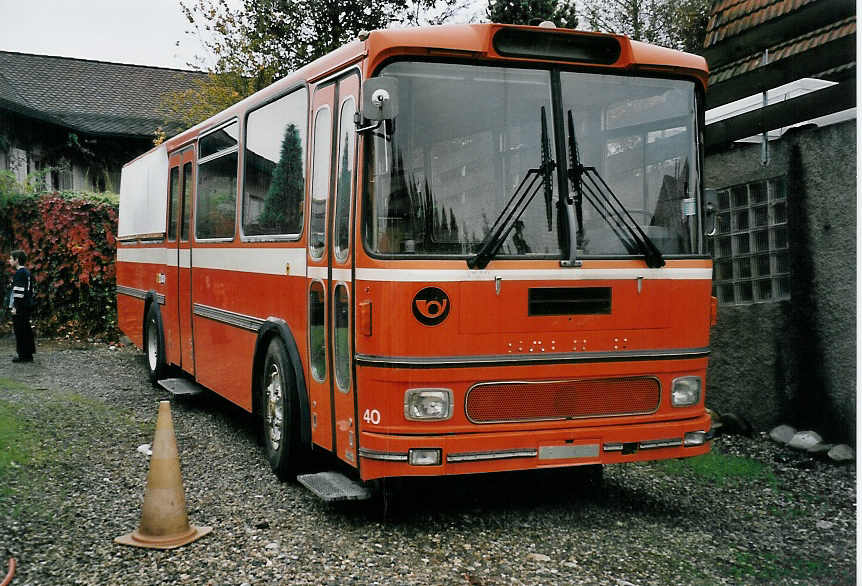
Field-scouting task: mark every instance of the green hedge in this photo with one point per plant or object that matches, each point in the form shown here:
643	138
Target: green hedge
70	241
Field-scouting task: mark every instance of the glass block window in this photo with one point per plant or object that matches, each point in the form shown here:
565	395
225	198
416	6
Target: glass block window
752	260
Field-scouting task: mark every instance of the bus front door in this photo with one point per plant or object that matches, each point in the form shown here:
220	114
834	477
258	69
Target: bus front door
330	268
341	275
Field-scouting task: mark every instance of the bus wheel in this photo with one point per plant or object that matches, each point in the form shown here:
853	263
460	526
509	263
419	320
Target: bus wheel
278	411
154	344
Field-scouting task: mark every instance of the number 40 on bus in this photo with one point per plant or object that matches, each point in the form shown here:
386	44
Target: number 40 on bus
438	251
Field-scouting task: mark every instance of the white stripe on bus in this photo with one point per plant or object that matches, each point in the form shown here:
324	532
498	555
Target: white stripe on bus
270	261
342	275
321	273
156	256
274	261
455	275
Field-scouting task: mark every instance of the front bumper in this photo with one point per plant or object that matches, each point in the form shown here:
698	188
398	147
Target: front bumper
387	455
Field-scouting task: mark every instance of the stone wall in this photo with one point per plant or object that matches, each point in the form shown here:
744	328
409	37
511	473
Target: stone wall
795	361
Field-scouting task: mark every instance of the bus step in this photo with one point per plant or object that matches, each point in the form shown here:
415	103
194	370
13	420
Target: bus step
181	386
334	487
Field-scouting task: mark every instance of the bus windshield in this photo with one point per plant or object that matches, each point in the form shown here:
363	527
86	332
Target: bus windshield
438	176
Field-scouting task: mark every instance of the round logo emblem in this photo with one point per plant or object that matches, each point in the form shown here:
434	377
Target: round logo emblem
431	306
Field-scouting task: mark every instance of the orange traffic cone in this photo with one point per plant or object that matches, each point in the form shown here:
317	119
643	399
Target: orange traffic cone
164	523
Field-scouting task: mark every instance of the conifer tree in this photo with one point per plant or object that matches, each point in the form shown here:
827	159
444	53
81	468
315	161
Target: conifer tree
282	212
560	12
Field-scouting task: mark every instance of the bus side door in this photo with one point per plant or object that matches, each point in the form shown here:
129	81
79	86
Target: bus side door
184	256
341	276
330	267
176	313
319	384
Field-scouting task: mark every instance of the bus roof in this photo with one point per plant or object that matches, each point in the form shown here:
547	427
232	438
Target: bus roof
477	41
470	41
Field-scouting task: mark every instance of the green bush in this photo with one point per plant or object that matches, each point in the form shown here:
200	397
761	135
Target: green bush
70	241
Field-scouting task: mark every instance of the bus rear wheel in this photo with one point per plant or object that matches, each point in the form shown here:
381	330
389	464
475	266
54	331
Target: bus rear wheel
278	411
154	344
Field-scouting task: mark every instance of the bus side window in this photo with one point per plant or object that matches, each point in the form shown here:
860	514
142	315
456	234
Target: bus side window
187	202
346	144
215	215
320	181
274	178
173	203
317	330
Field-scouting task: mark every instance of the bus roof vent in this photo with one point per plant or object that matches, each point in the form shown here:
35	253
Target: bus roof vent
563	46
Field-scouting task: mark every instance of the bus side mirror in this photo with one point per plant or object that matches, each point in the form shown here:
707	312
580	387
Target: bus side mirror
710	206
380	98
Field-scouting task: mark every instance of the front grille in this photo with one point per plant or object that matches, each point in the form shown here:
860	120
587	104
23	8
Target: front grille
569	399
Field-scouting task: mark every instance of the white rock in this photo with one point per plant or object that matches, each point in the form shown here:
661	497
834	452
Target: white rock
824	524
820	448
538	557
145	449
782	434
804	440
841	453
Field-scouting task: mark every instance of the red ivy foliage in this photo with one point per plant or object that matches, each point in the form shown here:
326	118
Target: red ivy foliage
71	244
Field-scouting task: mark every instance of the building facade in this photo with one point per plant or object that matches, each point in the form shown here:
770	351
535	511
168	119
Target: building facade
781	156
70	124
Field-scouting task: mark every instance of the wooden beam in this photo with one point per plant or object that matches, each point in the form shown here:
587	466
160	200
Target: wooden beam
806	64
770	33
811	105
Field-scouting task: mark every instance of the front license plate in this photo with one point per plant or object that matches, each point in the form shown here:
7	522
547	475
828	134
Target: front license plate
569	451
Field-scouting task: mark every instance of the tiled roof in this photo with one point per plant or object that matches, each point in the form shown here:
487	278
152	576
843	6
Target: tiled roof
785	50
94	97
732	17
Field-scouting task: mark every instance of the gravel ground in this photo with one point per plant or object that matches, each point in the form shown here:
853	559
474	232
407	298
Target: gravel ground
758	514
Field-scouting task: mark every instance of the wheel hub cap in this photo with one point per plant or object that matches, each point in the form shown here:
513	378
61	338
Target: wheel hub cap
274	406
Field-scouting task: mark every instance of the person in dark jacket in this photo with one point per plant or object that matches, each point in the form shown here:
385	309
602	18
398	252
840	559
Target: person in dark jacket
20	305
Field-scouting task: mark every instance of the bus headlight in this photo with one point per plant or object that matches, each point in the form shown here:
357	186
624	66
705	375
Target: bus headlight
685	391
428	404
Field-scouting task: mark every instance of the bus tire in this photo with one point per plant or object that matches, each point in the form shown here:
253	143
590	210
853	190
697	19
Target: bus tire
154	344
279	413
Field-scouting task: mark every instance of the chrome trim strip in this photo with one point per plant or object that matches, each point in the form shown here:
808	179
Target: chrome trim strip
660	443
386	456
138	293
131	292
613	447
245	322
519	359
495	455
574	380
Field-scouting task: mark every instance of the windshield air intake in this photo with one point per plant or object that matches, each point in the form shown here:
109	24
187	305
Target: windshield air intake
513	42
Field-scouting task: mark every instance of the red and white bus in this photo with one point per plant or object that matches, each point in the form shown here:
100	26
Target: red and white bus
436	251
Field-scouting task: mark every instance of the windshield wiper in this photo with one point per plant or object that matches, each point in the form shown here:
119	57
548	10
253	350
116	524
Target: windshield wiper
607	205
575	171
518	203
